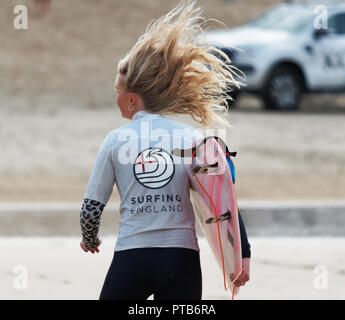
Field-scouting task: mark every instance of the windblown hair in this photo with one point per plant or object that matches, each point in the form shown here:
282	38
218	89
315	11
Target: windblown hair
174	71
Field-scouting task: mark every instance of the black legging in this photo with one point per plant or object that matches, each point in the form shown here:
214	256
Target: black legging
168	273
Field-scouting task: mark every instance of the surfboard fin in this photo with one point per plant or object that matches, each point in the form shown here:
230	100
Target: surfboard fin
205	169
223	217
183	152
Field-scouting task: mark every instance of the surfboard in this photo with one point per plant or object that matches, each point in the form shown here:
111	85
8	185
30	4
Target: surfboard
211	175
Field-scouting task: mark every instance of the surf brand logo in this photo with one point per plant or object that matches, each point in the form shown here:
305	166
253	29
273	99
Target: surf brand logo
154	168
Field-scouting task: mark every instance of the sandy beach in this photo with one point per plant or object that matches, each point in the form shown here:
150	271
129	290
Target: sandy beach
282	268
57	104
48	154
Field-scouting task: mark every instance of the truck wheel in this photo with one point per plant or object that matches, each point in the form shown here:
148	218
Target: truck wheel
283	89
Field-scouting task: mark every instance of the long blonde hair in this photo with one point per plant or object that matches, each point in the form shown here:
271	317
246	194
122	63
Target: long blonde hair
176	72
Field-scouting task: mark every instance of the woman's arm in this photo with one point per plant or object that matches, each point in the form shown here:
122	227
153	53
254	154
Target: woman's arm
244	239
90	216
246	253
97	194
102	178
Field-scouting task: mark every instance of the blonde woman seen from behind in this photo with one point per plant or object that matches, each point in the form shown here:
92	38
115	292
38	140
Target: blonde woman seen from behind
168	71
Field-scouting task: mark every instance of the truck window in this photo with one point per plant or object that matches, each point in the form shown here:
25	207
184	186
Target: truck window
337	23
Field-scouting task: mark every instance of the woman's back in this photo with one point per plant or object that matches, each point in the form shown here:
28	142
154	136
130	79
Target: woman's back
153	184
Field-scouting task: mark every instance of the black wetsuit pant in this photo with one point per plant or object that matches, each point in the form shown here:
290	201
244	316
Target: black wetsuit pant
167	273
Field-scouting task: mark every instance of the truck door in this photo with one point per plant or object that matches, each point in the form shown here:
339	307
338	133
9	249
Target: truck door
331	49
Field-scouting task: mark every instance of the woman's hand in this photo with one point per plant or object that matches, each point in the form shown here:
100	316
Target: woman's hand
82	245
244	276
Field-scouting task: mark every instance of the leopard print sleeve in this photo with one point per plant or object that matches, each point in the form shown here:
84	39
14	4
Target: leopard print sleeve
90	217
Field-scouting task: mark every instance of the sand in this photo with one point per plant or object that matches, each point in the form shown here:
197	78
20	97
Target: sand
48	154
281	268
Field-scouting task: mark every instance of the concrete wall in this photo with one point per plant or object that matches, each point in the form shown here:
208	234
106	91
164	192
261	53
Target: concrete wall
261	218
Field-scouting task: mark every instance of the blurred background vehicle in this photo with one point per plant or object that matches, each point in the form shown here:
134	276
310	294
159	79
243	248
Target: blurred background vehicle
288	51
